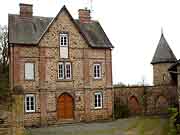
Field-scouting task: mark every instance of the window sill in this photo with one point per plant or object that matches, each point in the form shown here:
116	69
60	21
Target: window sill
32	80
64	80
29	112
98	108
96	79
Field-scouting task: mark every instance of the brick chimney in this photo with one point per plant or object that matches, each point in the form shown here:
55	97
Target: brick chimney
26	10
84	15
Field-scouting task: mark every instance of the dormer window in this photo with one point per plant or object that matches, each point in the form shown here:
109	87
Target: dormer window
64	44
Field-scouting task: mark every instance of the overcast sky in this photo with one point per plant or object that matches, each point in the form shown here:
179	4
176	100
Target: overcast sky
133	26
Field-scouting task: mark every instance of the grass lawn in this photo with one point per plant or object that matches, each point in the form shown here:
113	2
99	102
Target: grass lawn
131	126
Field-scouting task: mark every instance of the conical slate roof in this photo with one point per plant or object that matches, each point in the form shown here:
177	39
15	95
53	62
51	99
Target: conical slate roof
163	53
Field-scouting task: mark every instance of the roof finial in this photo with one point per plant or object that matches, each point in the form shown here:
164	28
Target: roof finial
161	30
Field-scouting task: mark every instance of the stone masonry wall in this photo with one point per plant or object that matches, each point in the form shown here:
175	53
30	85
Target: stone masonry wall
150	99
161	74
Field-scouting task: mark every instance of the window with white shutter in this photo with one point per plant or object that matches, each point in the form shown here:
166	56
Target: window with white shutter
64	45
29	71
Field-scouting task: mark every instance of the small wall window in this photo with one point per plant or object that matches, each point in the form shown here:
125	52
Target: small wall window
29	71
64	45
98	100
64	70
30	103
97	71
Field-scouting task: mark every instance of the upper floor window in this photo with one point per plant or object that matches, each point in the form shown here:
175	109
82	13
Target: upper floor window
64	70
68	70
98	100
64	45
30	103
29	71
63	39
97	71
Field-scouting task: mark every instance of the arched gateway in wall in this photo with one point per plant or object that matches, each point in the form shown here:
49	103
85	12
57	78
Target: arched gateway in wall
65	107
134	105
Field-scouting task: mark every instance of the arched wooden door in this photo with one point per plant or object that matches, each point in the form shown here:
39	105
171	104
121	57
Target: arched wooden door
65	107
134	105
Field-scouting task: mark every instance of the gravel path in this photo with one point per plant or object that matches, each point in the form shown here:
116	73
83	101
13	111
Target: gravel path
131	126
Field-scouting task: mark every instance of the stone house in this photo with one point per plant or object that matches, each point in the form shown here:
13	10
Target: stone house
63	65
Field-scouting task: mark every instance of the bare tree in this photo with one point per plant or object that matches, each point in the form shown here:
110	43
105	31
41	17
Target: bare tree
4	47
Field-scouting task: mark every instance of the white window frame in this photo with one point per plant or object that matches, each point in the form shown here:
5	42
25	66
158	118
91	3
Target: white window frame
32	70
34	103
62	36
61	63
66	77
101	100
95	71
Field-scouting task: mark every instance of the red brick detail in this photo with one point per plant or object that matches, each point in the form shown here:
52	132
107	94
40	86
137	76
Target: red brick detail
43	106
26	10
86	69
42	64
84	16
16	65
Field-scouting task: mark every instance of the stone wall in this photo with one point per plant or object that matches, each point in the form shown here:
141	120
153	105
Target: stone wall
146	99
161	76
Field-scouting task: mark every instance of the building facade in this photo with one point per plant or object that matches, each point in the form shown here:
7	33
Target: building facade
63	65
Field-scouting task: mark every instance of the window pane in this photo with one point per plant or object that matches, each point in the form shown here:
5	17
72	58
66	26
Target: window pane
30	103
98	100
32	107
27	108
61	71
95	100
68	70
29	71
97	71
63	39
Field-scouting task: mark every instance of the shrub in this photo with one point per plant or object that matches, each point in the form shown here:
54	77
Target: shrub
172	120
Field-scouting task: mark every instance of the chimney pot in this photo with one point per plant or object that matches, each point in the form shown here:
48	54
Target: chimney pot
26	10
84	15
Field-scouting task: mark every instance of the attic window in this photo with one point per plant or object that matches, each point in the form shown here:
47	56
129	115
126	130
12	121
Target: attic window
64	39
64	43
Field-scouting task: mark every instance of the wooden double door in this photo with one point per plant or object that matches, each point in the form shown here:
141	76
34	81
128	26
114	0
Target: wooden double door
65	107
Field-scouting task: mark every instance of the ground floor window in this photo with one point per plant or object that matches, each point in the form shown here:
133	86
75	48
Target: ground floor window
98	100
30	103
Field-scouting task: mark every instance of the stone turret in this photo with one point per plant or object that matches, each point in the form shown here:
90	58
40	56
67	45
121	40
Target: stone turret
162	60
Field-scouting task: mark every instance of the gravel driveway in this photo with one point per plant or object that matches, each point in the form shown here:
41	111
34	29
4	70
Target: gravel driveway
131	126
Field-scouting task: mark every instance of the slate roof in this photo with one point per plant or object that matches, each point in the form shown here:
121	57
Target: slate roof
31	30
95	34
163	53
26	30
